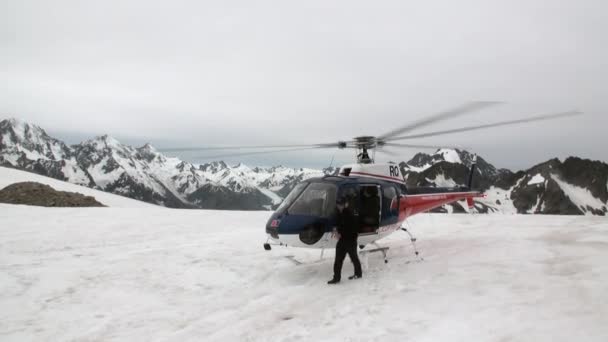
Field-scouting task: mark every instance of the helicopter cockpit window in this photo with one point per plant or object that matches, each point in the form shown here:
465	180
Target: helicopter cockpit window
318	199
389	202
295	192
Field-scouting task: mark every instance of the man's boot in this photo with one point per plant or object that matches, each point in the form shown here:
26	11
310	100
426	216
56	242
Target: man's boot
333	281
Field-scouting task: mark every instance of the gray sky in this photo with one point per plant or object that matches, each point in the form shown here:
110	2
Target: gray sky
202	73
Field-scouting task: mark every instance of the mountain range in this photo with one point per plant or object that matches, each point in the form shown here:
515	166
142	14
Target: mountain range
572	186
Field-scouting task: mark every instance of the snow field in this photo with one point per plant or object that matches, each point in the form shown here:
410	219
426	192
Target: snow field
152	274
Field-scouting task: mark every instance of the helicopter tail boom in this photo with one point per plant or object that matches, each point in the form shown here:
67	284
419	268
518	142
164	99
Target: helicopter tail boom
422	202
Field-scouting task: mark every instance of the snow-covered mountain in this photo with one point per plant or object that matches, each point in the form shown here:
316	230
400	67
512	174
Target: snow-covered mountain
575	186
144	173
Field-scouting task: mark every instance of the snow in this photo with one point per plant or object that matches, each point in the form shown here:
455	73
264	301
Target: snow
56	152
102	177
582	197
418	169
444	154
449	155
30	154
113	274
9	176
503	196
537	179
26	137
441	181
242	178
11	158
18	128
74	173
240	167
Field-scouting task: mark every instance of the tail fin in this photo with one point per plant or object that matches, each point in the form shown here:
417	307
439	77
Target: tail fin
473	165
470	202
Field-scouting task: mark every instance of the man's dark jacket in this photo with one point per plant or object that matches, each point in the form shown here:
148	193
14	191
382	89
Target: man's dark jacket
346	224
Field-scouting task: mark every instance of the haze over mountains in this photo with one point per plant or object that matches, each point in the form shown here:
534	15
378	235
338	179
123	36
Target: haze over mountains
572	186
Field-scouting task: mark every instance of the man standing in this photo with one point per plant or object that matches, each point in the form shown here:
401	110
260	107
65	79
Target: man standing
347	241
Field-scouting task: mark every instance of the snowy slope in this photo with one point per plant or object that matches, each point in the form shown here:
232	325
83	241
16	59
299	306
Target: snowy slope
111	274
582	197
9	176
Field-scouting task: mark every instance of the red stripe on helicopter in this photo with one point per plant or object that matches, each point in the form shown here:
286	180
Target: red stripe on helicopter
376	176
413	204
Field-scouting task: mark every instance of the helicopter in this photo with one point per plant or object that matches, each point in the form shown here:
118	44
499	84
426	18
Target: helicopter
377	195
376	192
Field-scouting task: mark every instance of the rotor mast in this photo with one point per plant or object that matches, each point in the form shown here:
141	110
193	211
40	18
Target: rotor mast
362	145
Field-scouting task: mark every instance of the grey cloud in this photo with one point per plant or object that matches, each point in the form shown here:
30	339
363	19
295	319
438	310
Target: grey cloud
235	72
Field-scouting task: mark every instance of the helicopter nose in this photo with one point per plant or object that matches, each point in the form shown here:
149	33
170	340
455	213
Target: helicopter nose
272	227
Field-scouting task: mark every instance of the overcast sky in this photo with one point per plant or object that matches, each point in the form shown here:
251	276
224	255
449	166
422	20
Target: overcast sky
207	73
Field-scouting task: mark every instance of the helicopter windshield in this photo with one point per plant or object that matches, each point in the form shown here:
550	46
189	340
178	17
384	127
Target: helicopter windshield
297	190
318	199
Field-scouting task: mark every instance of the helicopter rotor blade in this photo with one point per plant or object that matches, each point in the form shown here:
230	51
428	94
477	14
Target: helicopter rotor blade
415	146
257	152
340	144
448	114
269	152
387	152
496	124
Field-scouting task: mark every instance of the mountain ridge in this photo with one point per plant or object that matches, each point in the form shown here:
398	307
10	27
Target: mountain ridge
573	186
143	173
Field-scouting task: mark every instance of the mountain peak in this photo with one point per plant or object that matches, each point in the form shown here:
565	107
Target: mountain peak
449	155
423	161
110	140
148	148
19	138
12	122
148	152
103	141
21	130
213	166
241	167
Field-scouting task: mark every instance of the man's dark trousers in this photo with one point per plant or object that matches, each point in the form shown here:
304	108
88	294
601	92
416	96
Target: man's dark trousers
343	247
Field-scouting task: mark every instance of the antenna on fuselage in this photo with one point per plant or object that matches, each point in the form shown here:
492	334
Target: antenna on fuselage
331	163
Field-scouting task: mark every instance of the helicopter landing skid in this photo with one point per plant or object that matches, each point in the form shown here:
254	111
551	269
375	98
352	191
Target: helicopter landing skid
383	250
297	262
268	245
293	259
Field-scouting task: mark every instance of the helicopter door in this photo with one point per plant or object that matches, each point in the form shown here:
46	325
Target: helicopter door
390	205
351	194
370	209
